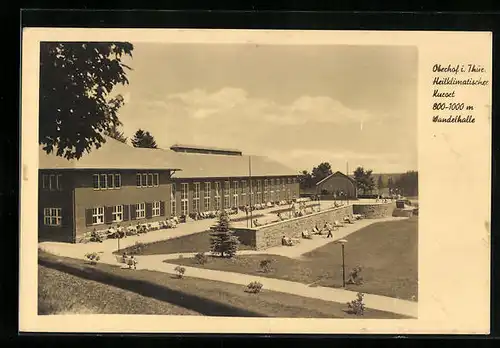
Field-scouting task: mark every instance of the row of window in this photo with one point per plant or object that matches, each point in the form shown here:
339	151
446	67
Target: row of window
107	181
52	182
147	180
117	215
237	191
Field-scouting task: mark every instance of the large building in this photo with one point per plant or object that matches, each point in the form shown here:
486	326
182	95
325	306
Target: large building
120	184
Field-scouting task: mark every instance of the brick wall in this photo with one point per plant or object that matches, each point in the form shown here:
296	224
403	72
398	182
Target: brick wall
270	235
374	211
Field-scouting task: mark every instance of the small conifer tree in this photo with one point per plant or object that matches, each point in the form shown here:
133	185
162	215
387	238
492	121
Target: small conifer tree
223	241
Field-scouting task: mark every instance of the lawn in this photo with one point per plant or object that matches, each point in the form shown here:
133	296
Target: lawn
186	244
67	284
387	252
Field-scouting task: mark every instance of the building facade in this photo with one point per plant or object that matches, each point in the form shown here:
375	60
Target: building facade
119	184
339	185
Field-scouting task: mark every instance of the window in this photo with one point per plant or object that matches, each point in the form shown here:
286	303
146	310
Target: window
235	194
184	199
266	187
52	216
173	206
272	191
278	188
259	191
98	215
156	179
45	181
111	181
138	180
140	210
118	181
206	203
156	209
217	196
150	180
227	189
144	180
243	187
196	197
103	182
118	213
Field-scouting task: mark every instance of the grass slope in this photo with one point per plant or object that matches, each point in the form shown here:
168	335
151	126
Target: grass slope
69	284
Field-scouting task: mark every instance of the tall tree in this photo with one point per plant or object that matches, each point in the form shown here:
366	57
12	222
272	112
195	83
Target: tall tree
144	139
364	179
321	171
408	183
380	182
305	179
76	104
222	239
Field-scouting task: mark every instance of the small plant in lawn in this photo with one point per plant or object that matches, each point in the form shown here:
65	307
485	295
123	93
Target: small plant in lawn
222	240
355	276
93	258
254	287
357	306
180	271
265	265
201	258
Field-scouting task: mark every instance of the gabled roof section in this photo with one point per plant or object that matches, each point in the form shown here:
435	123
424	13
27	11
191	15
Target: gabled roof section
205	150
337	173
195	165
113	154
116	155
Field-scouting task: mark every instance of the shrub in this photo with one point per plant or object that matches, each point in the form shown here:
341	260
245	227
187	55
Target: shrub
222	240
357	306
180	271
137	248
93	258
265	265
355	276
254	287
201	258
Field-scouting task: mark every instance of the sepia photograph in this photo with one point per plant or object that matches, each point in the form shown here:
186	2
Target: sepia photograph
239	181
228	180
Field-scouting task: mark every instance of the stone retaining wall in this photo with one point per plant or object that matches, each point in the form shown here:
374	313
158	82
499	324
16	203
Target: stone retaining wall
374	211
270	235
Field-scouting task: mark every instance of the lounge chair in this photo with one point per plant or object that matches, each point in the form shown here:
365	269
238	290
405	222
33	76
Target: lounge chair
316	230
155	225
336	223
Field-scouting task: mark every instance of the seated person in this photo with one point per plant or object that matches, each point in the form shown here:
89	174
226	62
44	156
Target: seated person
95	236
112	232
306	235
316	229
286	241
348	219
120	232
256	222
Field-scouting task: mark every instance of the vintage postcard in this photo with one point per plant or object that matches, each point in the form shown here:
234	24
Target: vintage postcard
239	181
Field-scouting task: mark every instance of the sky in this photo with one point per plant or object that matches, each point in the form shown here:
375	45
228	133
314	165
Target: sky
300	105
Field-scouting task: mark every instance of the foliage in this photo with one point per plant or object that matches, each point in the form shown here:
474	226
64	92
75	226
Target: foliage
355	276
93	258
76	107
306	179
321	171
137	248
408	183
144	139
254	287
364	180
380	182
265	265
201	258
115	133
180	271
222	240
357	306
